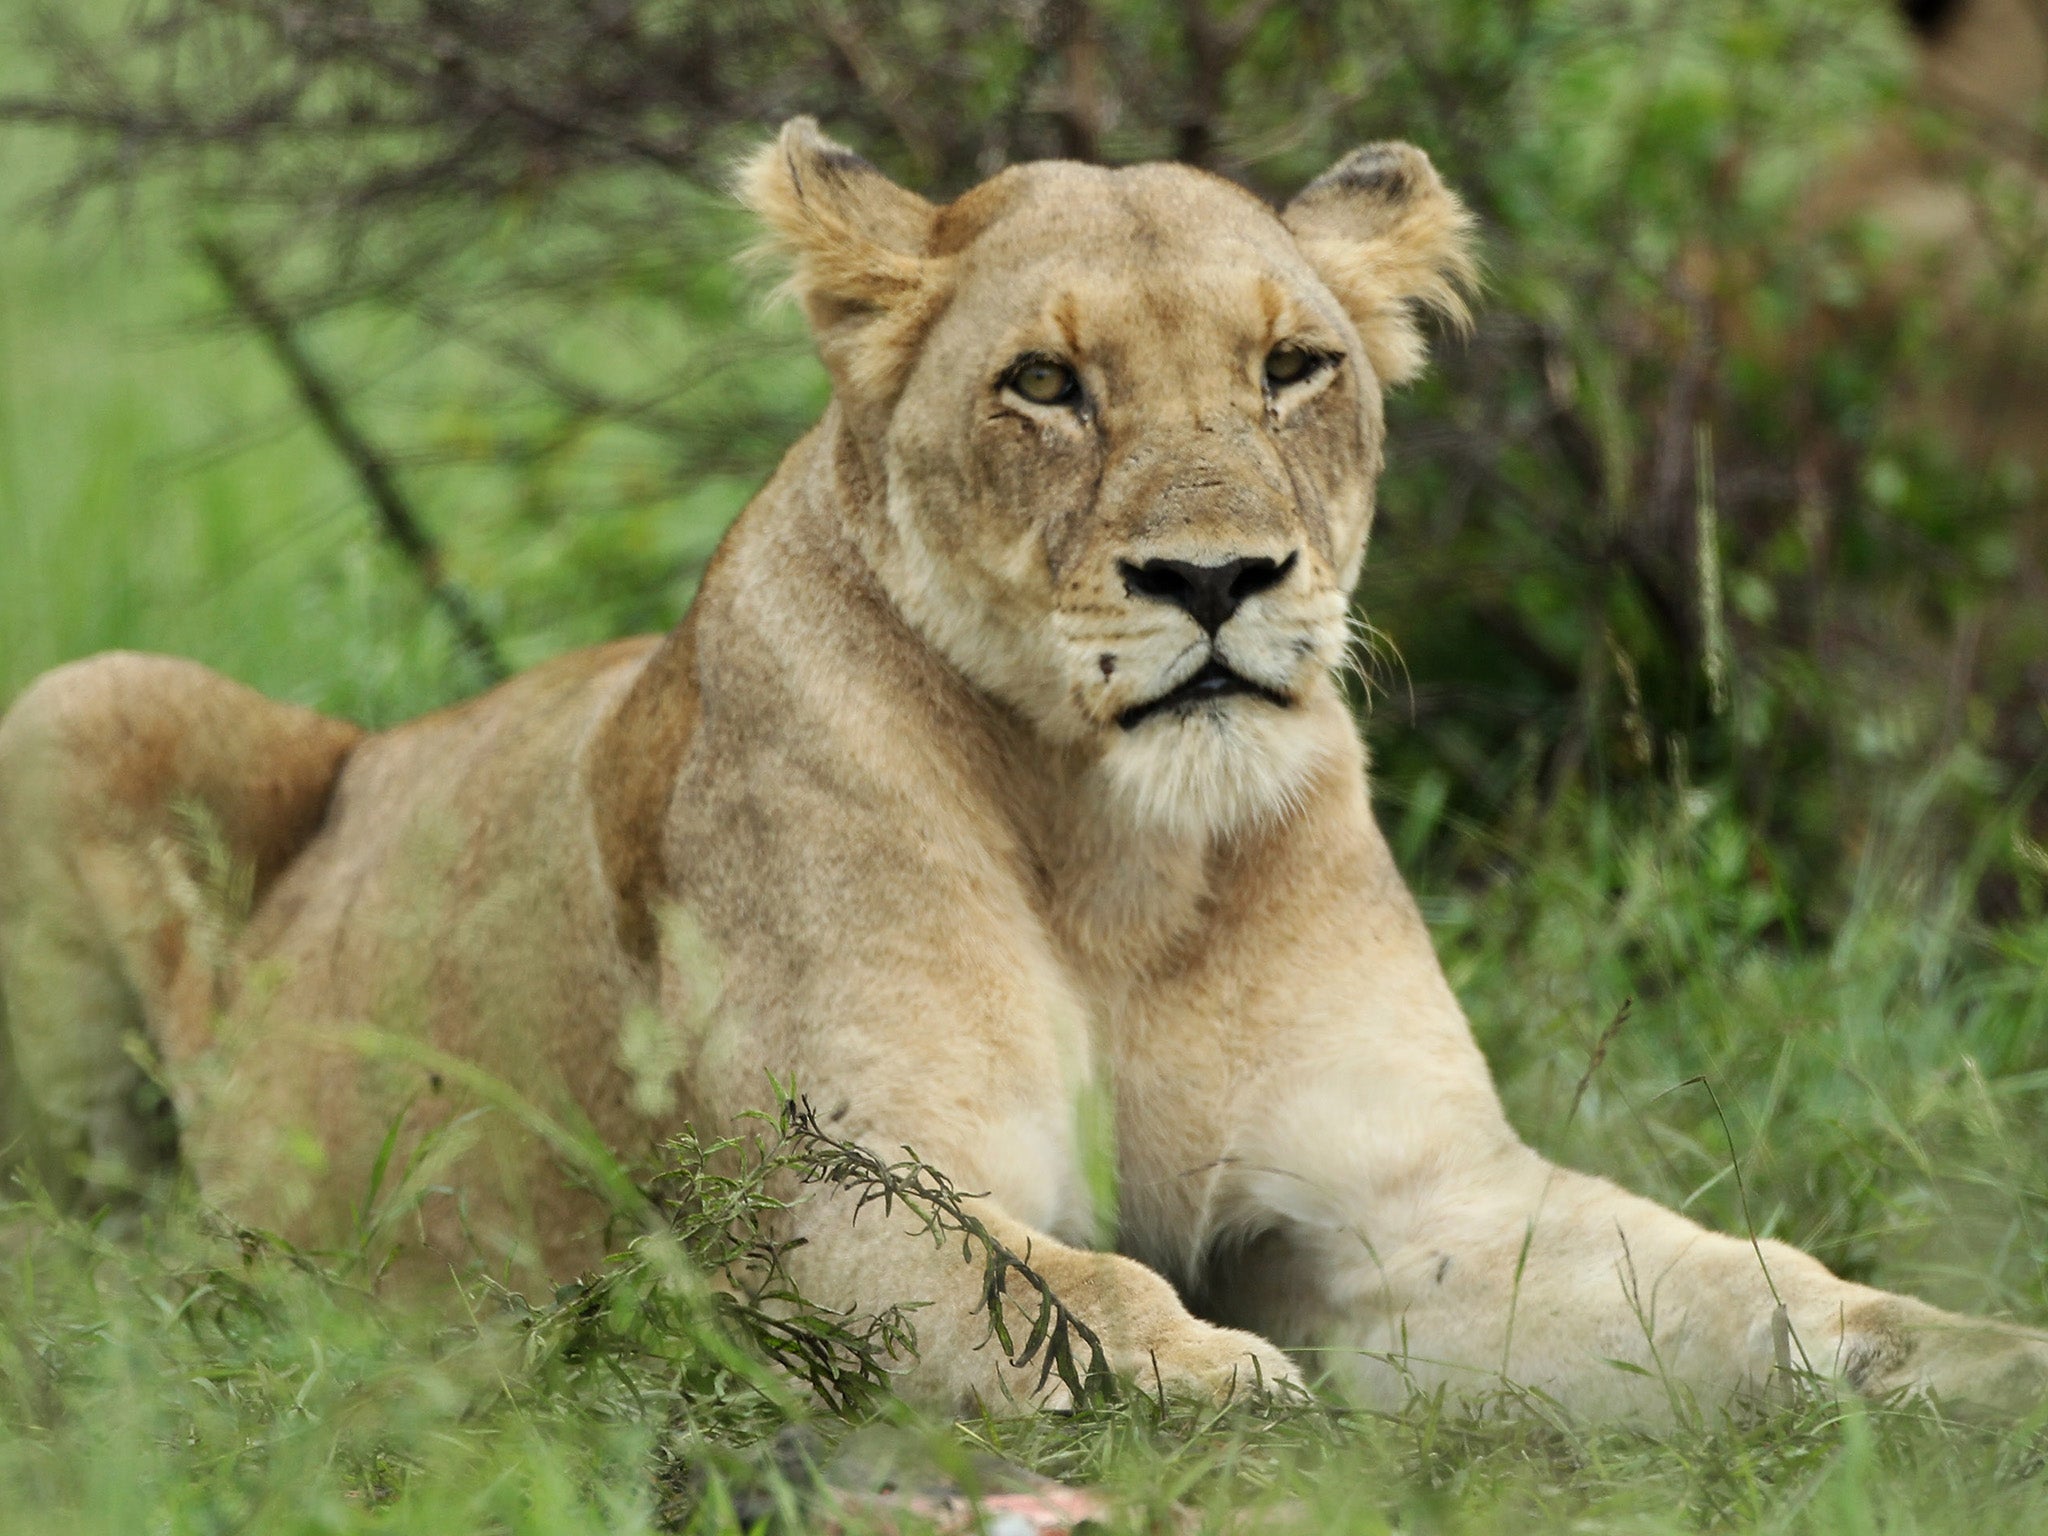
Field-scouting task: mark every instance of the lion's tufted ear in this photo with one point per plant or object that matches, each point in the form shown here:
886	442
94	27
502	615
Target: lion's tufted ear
856	242
1391	240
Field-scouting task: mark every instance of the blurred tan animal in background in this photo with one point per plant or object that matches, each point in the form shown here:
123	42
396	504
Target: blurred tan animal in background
1963	201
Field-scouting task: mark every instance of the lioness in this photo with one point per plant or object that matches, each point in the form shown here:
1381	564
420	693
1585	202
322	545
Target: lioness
998	769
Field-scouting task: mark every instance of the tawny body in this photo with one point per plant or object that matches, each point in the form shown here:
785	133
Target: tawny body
995	793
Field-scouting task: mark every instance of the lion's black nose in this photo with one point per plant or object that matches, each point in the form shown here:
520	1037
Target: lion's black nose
1209	593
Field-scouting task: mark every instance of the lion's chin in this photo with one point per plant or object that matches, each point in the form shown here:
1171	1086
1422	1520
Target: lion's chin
1213	770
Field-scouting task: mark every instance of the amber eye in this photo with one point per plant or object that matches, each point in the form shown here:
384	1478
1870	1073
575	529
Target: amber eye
1288	364
1044	382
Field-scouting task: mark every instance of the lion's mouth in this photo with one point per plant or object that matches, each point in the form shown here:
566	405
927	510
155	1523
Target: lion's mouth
1214	681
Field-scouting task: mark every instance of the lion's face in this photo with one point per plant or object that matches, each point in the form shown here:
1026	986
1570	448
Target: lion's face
1128	434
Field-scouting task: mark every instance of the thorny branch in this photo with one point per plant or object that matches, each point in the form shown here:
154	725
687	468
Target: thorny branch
1055	1330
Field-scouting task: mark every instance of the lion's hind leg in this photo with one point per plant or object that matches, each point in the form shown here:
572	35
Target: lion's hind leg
139	795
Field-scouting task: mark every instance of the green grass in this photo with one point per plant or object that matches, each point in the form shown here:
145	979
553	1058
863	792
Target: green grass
1882	1087
1880	1094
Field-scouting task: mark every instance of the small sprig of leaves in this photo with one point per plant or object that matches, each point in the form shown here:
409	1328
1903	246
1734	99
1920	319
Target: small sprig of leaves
710	1296
929	1197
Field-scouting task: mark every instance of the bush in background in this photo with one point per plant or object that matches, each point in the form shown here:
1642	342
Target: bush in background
1672	519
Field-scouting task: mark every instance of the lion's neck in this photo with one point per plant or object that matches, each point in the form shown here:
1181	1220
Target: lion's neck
1122	901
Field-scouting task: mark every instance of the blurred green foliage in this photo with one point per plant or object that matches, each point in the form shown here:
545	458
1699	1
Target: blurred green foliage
1677	513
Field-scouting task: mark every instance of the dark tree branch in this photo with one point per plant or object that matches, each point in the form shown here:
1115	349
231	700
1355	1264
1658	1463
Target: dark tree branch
395	517
1076	36
1213	47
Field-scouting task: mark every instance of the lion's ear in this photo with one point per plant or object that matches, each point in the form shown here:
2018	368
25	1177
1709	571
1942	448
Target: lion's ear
1391	240
856	242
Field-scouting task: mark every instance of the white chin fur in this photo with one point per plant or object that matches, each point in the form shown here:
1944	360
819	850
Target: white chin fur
1216	770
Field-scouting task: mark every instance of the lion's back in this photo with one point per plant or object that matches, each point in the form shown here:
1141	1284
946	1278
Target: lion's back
452	908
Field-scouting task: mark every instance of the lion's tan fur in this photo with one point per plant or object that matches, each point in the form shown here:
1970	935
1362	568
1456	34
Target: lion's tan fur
879	818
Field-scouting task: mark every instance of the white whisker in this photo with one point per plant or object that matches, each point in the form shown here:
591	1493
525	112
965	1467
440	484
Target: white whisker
1367	650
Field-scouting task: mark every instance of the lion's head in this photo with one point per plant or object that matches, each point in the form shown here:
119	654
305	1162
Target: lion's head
1113	435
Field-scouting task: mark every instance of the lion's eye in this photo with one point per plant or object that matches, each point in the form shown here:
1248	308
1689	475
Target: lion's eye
1044	382
1288	364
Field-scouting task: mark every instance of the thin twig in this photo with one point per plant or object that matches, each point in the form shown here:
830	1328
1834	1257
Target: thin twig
1599	1056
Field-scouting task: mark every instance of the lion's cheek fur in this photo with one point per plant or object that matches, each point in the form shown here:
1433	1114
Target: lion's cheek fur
978	613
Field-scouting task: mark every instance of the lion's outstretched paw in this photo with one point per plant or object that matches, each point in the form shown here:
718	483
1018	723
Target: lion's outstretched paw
1966	1364
1221	1364
1993	1370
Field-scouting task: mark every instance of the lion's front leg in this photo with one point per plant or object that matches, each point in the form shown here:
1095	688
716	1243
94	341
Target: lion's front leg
1069	1315
936	1027
1511	1275
1314	1147
948	1222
